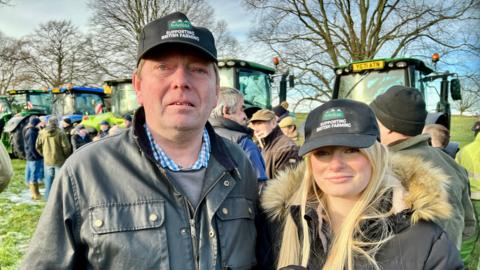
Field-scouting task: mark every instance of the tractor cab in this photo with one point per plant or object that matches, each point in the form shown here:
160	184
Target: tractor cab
74	102
365	80
254	81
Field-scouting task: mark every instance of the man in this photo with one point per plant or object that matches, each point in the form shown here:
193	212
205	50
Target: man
281	111
34	166
80	137
288	127
166	194
127	120
104	128
469	158
53	145
401	115
279	152
440	138
67	127
229	121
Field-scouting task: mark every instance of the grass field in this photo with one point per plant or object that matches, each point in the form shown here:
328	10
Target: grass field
19	215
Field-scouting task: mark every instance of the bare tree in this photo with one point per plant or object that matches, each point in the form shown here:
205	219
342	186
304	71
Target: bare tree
117	25
61	54
469	103
13	55
312	37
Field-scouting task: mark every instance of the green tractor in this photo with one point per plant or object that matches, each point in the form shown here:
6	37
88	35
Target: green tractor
5	112
254	81
24	104
365	80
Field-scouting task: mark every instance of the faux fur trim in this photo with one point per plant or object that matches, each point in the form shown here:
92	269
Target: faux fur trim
423	189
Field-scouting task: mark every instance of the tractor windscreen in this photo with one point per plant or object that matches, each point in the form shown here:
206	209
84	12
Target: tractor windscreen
78	103
125	99
5	106
40	101
255	87
366	86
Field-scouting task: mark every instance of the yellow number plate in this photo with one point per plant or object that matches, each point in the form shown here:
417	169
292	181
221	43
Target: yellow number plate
368	65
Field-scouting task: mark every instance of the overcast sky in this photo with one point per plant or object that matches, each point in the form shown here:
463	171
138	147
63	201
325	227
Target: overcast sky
21	17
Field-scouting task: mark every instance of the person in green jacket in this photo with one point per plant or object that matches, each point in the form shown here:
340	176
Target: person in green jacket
401	114
53	145
469	158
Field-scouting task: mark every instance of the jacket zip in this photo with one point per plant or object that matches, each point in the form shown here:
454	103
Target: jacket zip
192	220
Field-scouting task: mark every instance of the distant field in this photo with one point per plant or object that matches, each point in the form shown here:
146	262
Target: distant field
461	129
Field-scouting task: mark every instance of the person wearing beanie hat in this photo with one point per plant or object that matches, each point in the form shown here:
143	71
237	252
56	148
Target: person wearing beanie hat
67	128
167	193
360	207
34	165
127	120
279	151
281	111
401	113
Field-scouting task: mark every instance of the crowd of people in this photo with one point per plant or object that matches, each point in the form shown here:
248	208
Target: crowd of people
194	184
48	144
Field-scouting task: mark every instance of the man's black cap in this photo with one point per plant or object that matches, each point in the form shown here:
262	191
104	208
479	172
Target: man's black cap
176	28
340	122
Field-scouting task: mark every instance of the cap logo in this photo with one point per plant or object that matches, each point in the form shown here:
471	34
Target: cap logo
175	25
179	29
333	118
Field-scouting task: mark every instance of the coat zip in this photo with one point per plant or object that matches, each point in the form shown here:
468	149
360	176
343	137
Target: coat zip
193	230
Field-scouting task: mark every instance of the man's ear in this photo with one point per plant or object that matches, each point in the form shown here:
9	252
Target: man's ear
225	110
136	85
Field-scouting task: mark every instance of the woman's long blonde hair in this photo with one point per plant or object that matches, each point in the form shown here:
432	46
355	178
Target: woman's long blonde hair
349	242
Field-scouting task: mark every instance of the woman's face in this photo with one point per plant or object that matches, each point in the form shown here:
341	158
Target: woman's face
341	172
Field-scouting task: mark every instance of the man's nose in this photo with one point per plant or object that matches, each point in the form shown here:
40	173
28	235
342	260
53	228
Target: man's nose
181	78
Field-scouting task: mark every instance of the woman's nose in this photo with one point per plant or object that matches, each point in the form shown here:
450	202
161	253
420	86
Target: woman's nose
337	162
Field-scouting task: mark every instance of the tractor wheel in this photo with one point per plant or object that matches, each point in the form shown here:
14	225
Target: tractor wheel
18	145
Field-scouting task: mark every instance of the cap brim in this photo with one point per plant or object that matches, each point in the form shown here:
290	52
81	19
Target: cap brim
348	140
184	42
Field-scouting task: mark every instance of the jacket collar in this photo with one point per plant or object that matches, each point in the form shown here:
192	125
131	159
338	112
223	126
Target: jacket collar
218	147
273	136
230	125
421	139
421	190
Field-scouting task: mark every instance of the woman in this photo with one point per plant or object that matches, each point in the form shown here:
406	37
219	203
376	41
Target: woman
351	206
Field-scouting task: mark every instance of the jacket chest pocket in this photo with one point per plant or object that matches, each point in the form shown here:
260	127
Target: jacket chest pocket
237	233
128	235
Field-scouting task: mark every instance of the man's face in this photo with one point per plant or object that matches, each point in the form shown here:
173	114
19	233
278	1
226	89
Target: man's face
239	115
263	128
178	90
383	133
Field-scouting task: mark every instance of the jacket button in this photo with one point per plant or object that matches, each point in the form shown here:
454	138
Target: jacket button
211	234
183	231
98	223
153	217
226	183
225	211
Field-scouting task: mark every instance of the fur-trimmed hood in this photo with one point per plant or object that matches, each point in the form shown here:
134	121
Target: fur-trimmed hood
422	189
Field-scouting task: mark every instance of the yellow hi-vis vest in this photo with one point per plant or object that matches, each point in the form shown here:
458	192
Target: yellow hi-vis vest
469	157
